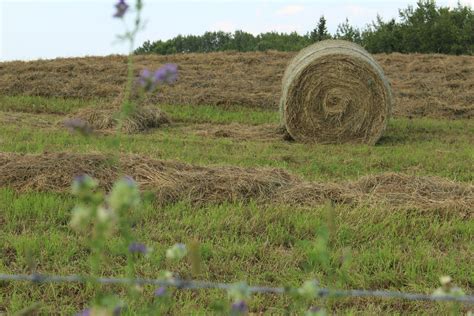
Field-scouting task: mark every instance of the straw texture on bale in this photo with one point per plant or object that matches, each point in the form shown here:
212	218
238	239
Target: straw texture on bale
335	92
173	181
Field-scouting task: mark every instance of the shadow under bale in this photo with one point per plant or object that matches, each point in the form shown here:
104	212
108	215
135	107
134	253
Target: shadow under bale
173	181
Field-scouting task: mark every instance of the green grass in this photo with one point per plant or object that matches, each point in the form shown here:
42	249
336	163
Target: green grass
35	104
262	245
403	250
421	147
188	113
212	114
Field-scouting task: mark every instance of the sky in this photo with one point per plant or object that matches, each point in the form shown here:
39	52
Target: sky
46	29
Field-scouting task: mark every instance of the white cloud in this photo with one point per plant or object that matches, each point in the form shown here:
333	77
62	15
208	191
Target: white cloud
290	10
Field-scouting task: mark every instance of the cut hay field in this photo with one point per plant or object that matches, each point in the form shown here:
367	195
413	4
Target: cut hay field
223	174
436	86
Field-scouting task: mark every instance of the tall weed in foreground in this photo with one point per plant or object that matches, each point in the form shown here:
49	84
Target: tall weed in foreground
98	215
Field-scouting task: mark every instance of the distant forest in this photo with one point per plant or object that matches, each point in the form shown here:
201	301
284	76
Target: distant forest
426	28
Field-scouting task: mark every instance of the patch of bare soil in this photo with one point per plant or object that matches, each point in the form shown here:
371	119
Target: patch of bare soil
439	86
174	181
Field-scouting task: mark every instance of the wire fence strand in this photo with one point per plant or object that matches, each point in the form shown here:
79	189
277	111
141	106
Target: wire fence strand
194	285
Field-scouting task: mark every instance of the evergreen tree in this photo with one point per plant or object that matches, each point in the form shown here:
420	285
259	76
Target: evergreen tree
347	32
425	28
320	33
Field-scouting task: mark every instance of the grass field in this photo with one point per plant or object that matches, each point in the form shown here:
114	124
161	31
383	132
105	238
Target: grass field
399	213
405	249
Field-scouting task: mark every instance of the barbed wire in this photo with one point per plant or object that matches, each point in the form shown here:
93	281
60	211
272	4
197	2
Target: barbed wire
193	285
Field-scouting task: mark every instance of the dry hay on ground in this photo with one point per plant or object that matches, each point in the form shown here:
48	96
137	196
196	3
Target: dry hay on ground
100	119
439	86
427	191
236	131
105	120
335	92
26	119
144	116
172	181
393	189
175	181
141	119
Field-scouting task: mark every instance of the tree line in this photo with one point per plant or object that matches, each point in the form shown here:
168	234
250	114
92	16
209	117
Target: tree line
425	28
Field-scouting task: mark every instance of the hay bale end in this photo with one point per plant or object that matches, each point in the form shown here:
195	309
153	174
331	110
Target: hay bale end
335	92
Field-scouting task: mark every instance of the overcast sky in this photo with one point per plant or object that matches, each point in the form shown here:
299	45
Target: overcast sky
64	28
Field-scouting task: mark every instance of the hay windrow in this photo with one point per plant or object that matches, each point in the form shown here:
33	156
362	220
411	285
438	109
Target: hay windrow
145	116
174	181
142	118
27	119
335	92
104	119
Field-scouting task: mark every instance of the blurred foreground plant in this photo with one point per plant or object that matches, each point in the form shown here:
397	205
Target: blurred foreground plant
147	81
136	88
449	288
98	216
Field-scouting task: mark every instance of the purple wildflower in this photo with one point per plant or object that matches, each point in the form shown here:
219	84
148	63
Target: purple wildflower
78	125
82	179
167	74
117	310
147	80
239	307
122	8
83	185
315	309
136	247
129	180
160	292
86	312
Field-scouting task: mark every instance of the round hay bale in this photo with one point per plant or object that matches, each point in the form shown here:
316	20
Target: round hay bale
335	92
